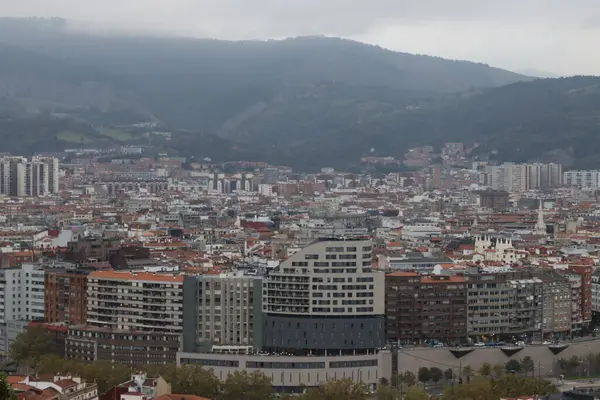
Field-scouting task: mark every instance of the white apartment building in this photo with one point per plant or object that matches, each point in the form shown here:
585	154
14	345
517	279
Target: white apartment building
20	177
583	179
137	301
519	178
22	293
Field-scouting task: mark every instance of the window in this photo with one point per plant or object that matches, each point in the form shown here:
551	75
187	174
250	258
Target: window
311	256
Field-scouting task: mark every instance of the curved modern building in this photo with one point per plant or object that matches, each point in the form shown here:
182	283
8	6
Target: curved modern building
321	318
325	300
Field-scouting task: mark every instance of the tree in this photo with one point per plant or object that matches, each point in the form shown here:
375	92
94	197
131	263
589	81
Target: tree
467	372
407	379
424	375
6	391
436	374
498	370
343	389
386	392
32	345
192	379
449	374
513	366
242	385
416	393
485	369
527	365
482	388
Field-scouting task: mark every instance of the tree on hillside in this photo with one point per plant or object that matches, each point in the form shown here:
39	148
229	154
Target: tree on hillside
343	389
6	391
32	345
482	388
244	385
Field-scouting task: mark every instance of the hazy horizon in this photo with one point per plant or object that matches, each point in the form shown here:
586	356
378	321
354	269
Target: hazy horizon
525	35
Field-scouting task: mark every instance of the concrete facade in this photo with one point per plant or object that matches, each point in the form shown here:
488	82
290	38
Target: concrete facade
295	372
413	359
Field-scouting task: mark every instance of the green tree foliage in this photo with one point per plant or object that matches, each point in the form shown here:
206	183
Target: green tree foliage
424	375
527	365
387	392
416	393
485	369
436	374
467	372
513	366
482	388
6	391
244	385
449	374
406	379
344	389
32	345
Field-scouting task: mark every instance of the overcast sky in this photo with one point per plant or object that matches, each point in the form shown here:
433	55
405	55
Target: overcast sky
561	36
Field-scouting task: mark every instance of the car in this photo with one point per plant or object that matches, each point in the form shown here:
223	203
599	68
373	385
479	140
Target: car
520	343
545	342
438	345
479	344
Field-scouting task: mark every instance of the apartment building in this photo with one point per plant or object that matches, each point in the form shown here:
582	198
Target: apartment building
220	310
22	290
504	303
21	301
420	308
519	178
596	292
589	179
37	177
65	295
90	343
585	271
557	304
325	299
136	301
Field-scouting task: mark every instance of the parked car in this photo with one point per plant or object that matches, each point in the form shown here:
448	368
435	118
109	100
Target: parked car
479	344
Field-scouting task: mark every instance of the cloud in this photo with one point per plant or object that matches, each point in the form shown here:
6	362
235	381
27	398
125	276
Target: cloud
555	35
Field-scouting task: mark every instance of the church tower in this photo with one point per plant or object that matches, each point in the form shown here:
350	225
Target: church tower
540	226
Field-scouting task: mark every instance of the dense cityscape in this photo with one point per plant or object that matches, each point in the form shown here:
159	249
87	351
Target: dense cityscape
435	275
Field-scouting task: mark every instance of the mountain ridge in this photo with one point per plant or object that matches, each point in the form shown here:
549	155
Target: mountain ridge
306	102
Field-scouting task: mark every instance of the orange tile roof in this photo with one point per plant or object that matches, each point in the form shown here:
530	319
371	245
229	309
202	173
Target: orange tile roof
136	276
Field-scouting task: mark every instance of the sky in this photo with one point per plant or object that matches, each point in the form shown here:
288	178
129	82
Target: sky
558	36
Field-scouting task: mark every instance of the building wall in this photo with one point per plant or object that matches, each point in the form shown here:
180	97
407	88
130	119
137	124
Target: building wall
295	372
138	301
297	333
65	297
87	343
419	308
219	310
413	359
